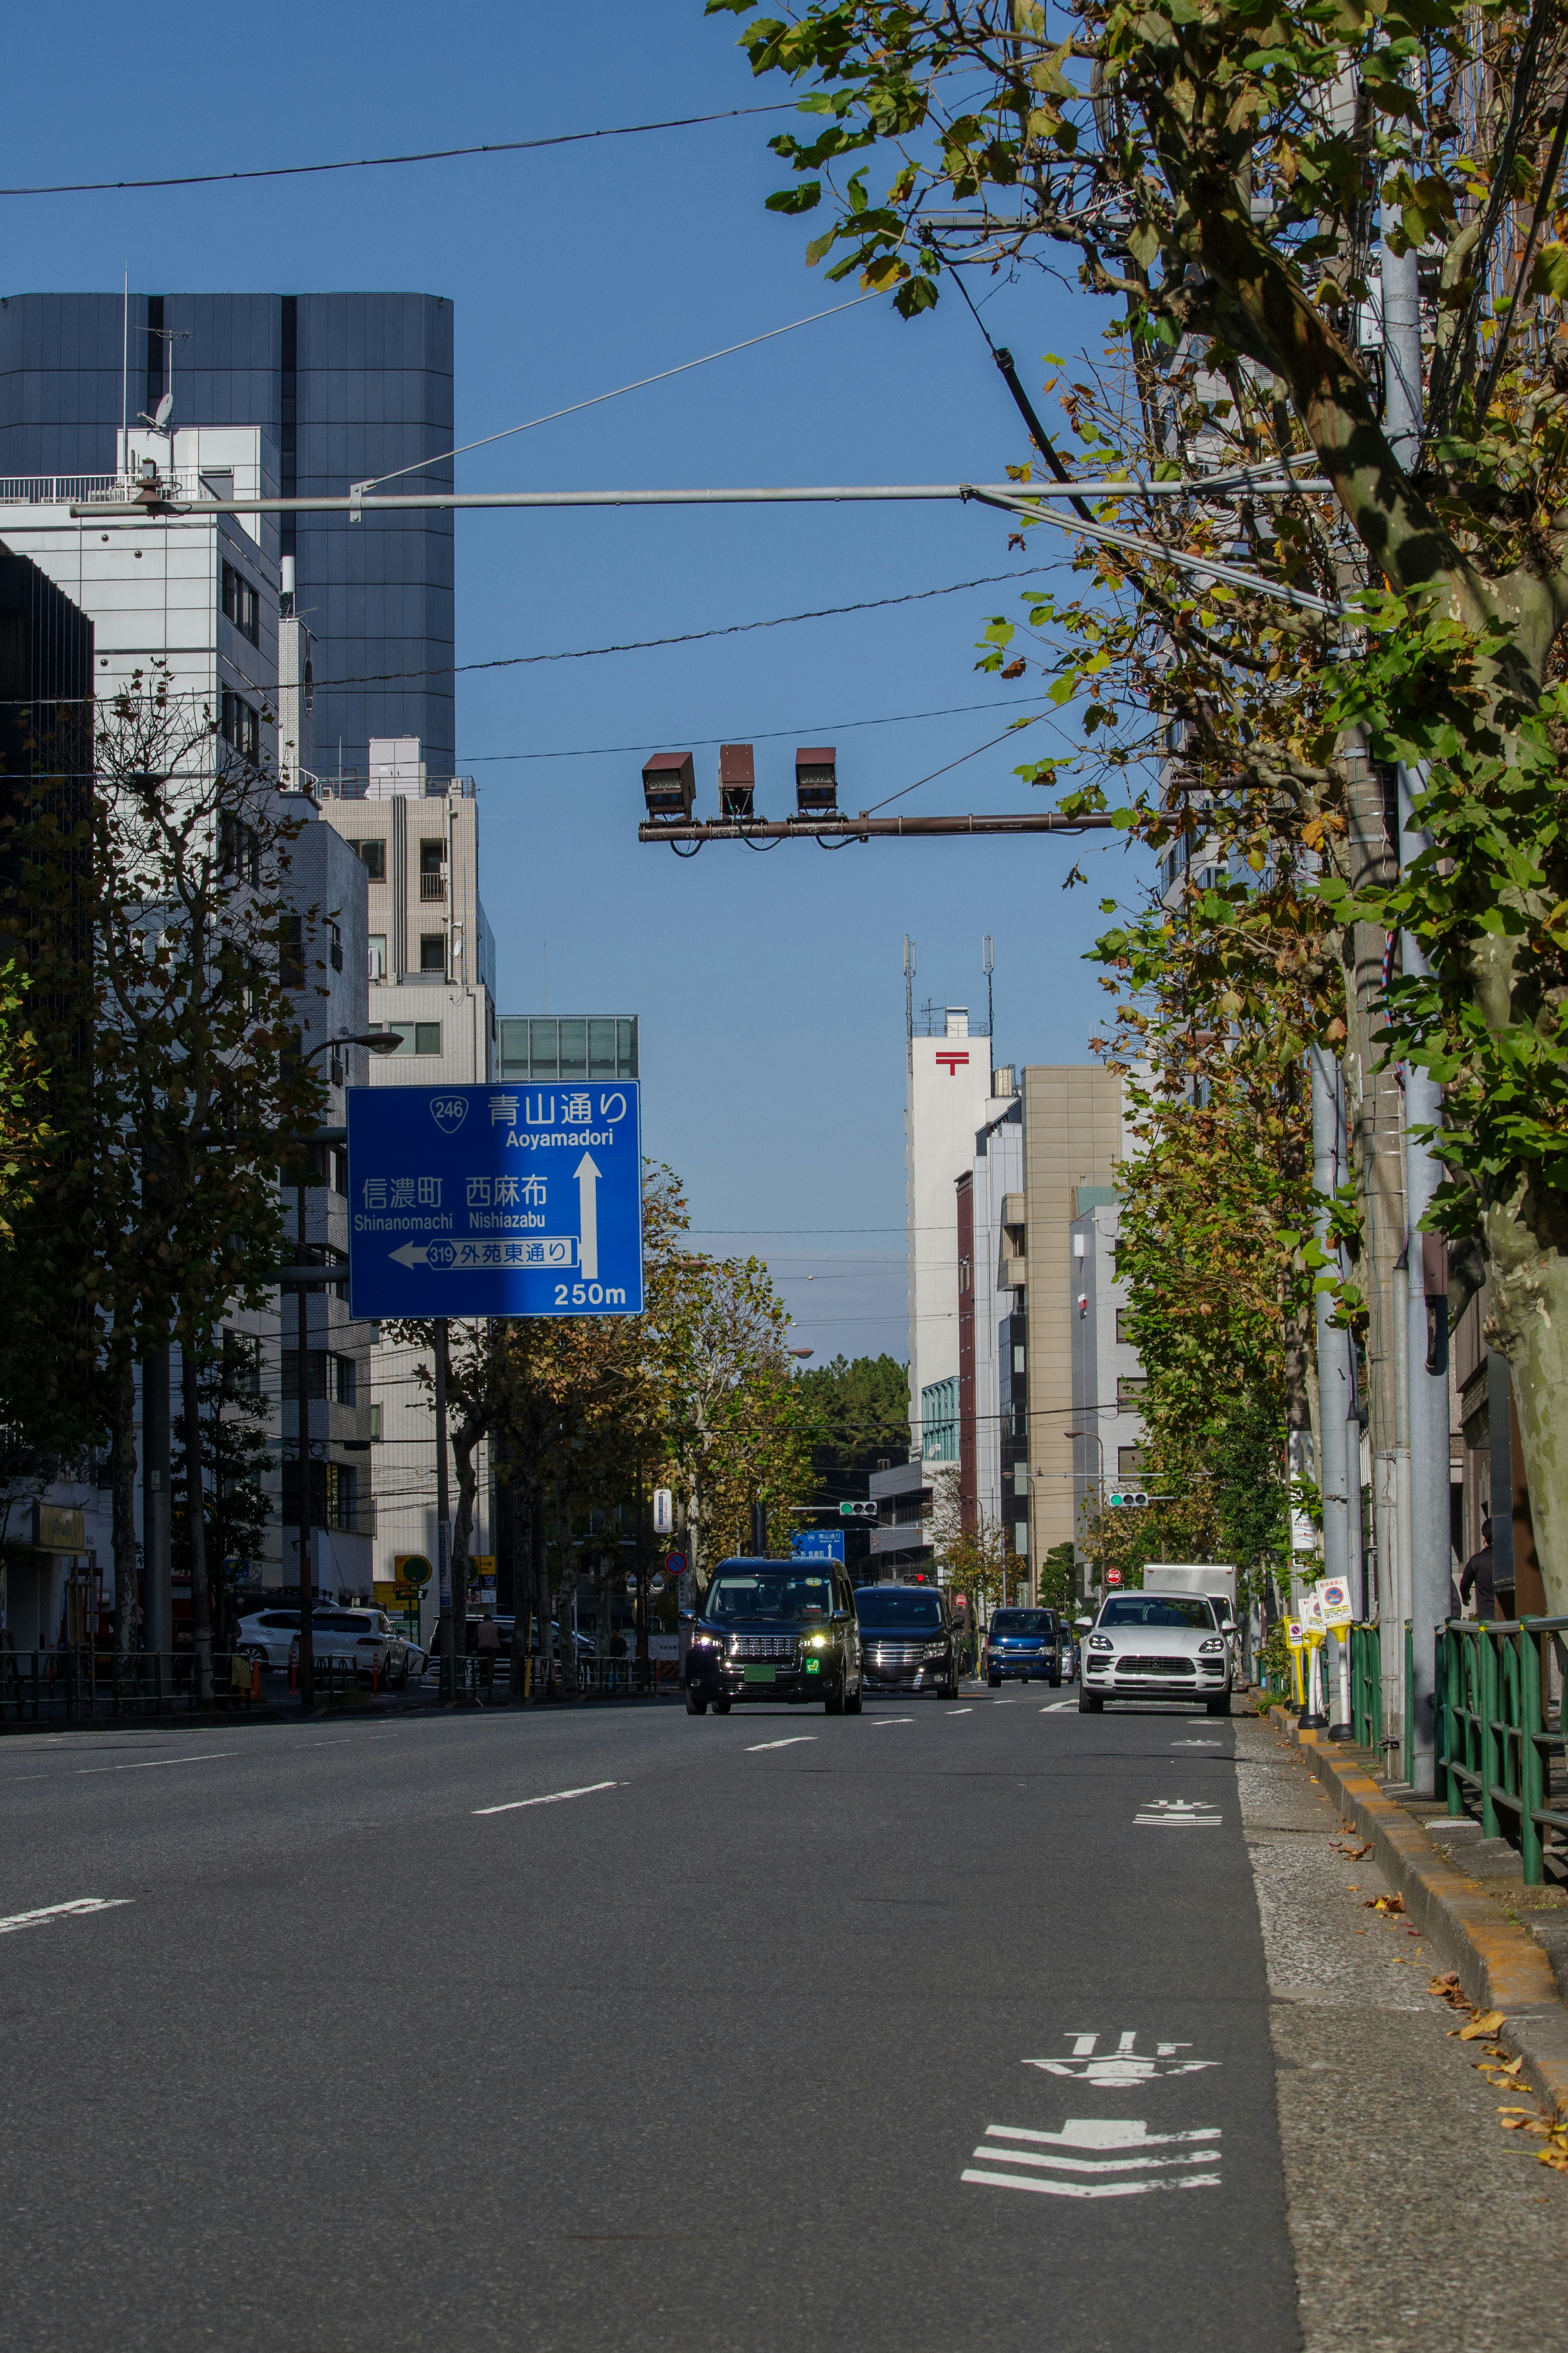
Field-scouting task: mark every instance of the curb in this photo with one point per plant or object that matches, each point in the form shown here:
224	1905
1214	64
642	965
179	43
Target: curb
1498	1965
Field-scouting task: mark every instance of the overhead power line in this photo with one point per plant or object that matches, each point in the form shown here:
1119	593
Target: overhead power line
381	162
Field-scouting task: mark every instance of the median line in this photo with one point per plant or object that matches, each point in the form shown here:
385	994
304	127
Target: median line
153	1764
47	1912
557	1798
793	1742
883	1721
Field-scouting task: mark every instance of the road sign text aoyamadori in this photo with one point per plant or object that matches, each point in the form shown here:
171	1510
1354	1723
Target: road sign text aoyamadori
495	1200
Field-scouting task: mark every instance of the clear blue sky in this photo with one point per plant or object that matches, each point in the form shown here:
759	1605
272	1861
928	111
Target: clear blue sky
770	989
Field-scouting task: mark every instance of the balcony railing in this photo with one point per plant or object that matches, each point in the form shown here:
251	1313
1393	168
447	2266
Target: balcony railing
432	886
85	489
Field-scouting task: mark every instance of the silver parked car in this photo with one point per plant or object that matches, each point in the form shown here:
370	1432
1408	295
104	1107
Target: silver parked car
1155	1646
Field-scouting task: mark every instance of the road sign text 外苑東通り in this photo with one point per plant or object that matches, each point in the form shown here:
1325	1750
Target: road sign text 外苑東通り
495	1200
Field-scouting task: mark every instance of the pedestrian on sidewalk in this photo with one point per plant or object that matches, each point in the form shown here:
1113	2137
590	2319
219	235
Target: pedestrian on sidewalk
1477	1577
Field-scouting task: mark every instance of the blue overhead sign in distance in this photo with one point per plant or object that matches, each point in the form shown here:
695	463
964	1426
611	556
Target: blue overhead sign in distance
495	1200
817	1544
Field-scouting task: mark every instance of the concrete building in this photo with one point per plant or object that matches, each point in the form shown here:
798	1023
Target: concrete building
1106	1376
949	1084
991	1339
414	835
343	388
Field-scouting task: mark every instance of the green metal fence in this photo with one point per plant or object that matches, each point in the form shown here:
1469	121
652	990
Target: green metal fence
1495	1742
70	1685
1366	1687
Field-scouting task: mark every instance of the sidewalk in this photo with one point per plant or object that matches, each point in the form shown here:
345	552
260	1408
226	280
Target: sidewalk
1416	2221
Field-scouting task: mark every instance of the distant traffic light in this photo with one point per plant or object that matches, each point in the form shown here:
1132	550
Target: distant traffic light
817	780
1128	1499
857	1511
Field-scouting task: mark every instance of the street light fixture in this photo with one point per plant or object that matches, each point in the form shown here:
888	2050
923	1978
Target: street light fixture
379	1042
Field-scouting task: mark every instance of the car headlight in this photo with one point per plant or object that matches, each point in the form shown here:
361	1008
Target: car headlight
1101	1642
818	1642
707	1641
1213	1643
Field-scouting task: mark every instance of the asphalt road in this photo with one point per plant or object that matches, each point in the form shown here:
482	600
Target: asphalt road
946	2026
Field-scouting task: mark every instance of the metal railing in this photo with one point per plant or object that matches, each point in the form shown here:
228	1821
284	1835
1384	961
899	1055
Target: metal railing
1495	1742
77	490
1366	1687
71	1685
432	886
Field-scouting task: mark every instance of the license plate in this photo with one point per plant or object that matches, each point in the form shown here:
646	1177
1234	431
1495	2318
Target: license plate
759	1674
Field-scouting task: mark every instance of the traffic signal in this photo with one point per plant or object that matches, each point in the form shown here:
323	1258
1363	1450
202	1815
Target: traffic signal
857	1511
1127	1499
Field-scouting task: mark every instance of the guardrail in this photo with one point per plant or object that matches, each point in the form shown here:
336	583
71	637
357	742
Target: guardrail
1494	1741
37	1686
596	1678
1366	1687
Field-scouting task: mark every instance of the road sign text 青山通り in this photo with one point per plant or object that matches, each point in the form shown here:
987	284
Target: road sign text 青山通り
495	1200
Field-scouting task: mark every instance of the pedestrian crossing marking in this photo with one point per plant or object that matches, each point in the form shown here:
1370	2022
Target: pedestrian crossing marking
1179	1813
1094	2156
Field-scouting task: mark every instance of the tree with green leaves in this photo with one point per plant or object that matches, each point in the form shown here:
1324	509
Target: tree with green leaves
1221	176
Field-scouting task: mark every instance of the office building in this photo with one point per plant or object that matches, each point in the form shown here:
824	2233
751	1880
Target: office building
343	388
948	1087
992	1434
1108	1378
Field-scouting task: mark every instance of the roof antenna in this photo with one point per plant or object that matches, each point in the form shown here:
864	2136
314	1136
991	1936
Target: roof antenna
986	965
910	997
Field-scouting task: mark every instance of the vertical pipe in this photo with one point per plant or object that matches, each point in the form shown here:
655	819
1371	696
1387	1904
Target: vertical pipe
453	1661
1430	1566
195	1518
1400	357
159	1611
1333	1345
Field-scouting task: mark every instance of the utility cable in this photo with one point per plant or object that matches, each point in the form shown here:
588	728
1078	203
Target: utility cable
378	162
422	464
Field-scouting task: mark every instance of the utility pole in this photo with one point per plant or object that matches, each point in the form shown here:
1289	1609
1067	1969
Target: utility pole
302	1424
454	1605
195	1517
158	1615
1335	1395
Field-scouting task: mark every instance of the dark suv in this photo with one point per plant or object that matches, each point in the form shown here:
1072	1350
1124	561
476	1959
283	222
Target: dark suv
907	1641
774	1629
1023	1642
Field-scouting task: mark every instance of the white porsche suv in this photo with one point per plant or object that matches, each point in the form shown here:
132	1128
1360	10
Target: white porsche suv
1147	1646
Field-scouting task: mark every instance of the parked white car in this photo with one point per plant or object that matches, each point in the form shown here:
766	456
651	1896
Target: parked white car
1147	1646
364	1639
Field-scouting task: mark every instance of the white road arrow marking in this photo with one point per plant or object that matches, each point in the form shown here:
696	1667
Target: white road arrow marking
1179	1813
1124	2147
588	1173
49	1911
1124	2065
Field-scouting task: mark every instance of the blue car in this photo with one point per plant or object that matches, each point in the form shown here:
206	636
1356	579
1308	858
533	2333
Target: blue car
1024	1643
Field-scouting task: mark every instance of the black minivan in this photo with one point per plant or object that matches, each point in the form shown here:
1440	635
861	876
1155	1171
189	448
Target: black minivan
907	1640
774	1629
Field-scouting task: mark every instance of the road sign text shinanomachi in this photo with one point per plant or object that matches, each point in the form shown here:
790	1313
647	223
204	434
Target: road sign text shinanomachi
495	1200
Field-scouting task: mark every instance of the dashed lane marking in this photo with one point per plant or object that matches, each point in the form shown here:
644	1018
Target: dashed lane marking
793	1742
882	1720
960	1711
1056	1705
557	1796
47	1912
152	1764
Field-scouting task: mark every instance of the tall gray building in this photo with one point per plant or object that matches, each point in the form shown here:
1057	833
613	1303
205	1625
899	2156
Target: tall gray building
347	387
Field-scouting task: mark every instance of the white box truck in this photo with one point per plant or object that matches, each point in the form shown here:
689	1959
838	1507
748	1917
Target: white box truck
1214	1580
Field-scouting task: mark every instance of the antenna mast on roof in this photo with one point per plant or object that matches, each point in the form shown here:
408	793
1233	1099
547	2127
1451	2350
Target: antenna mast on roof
910	997
986	964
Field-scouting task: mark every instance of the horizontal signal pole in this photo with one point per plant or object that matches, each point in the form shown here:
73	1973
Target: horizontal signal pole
858	829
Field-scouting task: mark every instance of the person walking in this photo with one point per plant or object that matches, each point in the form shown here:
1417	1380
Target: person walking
1477	1577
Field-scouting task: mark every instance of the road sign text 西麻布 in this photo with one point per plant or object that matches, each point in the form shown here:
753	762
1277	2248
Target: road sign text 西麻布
495	1200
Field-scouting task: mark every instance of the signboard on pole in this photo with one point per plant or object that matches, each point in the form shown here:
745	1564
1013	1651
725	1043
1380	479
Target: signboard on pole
495	1200
1335	1598
817	1544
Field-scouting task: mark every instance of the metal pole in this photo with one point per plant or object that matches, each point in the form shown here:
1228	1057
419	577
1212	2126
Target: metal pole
302	1423
450	1663
1400	357
1334	1345
158	1620
195	1517
1430	1563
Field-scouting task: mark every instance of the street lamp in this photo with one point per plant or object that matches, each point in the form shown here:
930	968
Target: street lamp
379	1042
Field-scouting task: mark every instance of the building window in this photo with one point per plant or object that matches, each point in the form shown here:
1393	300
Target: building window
939	1420
241	604
241	725
1020	1478
1021	1537
241	1364
1130	1391
433	952
338	1169
414	1037
374	854
375	1421
377	947
291	953
546	1048
1018	1359
239	851
1129	1462
332	1378
1124	1338
342	1496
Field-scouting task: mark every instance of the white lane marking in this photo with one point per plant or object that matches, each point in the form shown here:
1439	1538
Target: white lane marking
793	1742
882	1720
1003	1702
514	1804
960	1710
1195	1744
1125	2066
211	1756
1056	1706
1123	2147
1179	1813
79	1904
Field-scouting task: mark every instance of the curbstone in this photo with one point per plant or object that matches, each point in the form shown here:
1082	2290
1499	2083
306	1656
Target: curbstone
1499	1965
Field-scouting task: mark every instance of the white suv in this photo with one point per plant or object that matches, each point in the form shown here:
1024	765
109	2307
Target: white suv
364	1638
1155	1646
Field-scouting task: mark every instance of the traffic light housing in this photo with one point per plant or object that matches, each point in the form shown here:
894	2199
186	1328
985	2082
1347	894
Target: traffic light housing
857	1511
1128	1499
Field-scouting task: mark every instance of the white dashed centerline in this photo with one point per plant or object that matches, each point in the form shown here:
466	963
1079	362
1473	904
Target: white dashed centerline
210	1757
959	1711
793	1742
79	1904
514	1805
884	1720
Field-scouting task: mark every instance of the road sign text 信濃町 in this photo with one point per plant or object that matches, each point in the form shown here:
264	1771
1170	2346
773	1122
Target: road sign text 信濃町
495	1200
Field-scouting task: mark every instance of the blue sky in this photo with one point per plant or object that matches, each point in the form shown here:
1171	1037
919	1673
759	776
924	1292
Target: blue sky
770	989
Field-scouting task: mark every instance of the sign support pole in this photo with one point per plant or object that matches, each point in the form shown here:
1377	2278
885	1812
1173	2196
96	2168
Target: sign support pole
449	1662
302	1392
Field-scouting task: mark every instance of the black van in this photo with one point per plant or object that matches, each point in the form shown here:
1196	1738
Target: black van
907	1638
774	1629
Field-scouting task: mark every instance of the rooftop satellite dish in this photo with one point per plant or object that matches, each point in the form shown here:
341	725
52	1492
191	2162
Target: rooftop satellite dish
163	412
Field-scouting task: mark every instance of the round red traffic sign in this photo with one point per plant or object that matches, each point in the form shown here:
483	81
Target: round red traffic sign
674	1563
1114	1577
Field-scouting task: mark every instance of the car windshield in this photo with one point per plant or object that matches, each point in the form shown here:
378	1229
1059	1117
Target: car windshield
1021	1621
766	1593
1182	1609
894	1609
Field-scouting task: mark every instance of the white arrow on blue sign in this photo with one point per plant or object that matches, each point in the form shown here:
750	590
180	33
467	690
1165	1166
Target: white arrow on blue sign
495	1200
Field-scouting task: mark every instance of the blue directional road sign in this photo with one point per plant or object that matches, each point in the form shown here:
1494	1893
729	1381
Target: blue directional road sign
817	1544
497	1200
